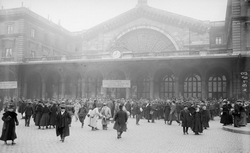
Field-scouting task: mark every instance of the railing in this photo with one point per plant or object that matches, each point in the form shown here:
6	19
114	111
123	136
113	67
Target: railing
7	59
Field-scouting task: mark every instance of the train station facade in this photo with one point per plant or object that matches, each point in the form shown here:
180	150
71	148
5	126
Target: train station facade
162	55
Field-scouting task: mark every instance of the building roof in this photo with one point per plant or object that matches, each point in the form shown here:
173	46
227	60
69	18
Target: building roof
143	10
6	14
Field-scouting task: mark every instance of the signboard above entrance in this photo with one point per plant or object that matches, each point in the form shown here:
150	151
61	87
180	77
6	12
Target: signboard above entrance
116	83
8	85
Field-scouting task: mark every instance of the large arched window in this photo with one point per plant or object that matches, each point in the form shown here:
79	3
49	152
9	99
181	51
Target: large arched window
217	86
93	86
143	87
192	86
167	87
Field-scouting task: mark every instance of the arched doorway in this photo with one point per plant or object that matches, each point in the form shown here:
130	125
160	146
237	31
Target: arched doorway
141	85
53	85
116	92
34	86
93	83
7	75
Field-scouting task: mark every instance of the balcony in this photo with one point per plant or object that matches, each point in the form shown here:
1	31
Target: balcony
7	59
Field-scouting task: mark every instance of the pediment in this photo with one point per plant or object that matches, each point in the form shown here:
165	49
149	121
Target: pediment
145	11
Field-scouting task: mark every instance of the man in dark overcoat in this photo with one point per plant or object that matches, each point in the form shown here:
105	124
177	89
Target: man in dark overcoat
186	119
28	110
121	118
63	121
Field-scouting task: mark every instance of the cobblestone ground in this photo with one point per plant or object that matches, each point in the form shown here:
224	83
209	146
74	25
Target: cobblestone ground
145	138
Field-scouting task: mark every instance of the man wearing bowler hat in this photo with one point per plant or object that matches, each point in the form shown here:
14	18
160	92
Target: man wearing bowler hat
63	121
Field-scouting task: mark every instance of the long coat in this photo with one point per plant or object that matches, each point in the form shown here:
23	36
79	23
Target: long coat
186	118
63	121
225	115
197	122
44	121
28	110
166	112
93	117
52	116
149	111
9	126
120	119
205	118
38	114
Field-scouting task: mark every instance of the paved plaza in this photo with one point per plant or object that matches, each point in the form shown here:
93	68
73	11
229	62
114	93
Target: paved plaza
145	138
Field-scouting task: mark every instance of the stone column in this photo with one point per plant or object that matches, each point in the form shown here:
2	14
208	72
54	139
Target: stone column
25	90
204	89
43	89
62	88
151	88
176	87
83	88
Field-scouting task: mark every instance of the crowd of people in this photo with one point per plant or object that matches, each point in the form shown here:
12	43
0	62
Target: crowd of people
58	113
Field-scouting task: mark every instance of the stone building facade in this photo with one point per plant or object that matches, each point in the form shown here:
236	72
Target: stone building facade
163	54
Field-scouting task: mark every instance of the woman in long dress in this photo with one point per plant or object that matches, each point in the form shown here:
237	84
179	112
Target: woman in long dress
9	125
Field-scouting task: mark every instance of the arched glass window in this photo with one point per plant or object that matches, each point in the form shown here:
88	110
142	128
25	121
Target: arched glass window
217	86
192	86
143	88
167	87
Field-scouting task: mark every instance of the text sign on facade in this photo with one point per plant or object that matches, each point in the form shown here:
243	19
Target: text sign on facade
8	85
116	83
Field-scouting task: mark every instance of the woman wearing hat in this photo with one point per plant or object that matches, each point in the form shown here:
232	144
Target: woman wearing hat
9	125
63	121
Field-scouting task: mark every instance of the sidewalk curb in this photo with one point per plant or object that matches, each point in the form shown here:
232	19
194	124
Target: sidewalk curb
236	130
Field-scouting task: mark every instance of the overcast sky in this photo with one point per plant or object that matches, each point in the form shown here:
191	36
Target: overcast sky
76	15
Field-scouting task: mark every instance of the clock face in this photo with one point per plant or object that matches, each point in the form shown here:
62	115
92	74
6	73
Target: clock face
116	54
